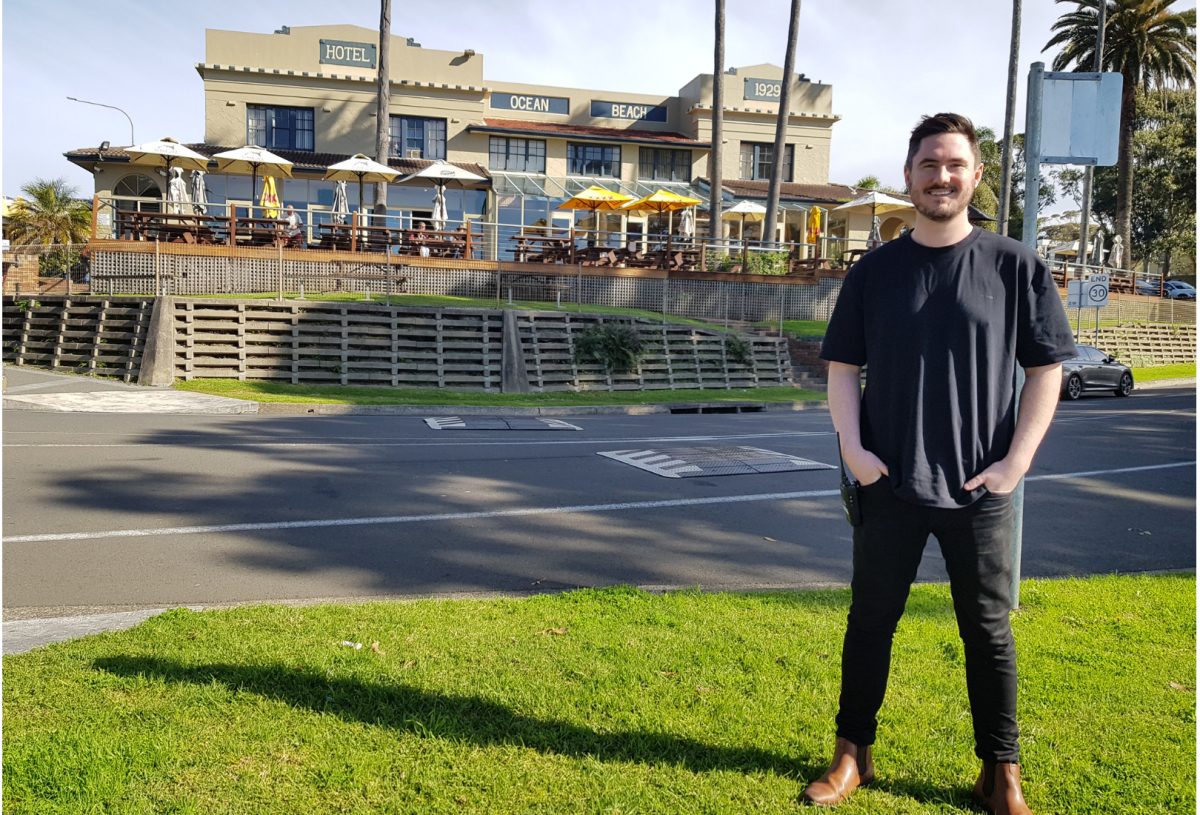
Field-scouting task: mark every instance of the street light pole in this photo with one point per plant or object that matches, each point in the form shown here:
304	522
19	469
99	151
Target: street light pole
132	141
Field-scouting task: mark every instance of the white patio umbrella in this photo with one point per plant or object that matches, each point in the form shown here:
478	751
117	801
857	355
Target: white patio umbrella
744	211
177	192
440	212
364	169
255	161
441	173
199	193
875	238
1116	255
341	207
687	222
876	202
1098	249
167	153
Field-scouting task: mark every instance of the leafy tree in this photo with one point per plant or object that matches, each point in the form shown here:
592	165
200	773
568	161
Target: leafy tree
868	182
1163	221
1150	45
1016	195
987	194
48	213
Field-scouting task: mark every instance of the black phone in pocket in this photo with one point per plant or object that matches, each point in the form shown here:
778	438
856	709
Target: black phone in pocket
851	496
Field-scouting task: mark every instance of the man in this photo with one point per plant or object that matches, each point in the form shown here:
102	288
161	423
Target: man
941	317
292	233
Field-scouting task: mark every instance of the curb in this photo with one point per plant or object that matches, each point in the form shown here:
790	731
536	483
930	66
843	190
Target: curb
297	409
1164	383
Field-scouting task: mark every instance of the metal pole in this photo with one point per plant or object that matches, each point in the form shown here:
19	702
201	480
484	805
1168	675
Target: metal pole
1086	203
132	141
1033	162
1010	112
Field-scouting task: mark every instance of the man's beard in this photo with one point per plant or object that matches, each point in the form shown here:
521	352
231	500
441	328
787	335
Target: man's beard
960	202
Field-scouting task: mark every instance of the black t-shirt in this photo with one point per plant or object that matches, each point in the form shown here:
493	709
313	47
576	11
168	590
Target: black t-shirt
941	330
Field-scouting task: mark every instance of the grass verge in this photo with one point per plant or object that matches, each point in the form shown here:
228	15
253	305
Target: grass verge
609	700
264	391
1157	372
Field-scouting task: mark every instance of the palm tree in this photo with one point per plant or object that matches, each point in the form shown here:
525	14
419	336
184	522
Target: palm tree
1150	45
48	213
770	220
718	117
383	97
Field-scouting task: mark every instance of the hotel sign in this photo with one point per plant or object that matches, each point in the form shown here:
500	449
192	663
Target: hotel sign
339	52
627	110
763	90
531	104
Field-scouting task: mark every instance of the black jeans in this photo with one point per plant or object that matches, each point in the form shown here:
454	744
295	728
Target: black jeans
976	542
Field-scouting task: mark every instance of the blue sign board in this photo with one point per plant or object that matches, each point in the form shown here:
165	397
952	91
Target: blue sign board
339	52
531	104
628	110
763	90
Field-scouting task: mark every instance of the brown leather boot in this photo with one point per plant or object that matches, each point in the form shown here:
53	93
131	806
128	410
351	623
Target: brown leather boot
850	769
998	789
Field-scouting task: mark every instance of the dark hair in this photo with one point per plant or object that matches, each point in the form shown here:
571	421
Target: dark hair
938	124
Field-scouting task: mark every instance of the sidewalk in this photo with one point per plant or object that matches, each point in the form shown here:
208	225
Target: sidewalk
40	390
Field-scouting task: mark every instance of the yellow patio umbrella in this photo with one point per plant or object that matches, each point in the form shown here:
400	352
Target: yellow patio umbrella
270	198
814	230
661	201
596	198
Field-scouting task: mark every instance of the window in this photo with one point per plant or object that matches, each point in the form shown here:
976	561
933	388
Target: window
517	155
663	164
276	127
417	137
756	161
594	160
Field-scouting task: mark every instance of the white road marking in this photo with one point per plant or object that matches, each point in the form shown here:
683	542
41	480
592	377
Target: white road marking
508	513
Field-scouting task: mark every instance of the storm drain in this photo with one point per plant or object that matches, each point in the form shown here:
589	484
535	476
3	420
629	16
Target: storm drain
497	423
691	462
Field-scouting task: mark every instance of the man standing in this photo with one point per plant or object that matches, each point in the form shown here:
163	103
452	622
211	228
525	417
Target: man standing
941	316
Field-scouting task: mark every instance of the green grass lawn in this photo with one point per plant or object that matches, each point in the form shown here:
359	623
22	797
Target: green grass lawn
264	391
600	701
1157	372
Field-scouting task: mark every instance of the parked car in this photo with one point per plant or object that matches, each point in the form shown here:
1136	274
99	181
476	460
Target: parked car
1146	287
1094	370
1178	290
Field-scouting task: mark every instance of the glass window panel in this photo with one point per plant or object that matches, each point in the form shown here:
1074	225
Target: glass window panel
416	135
280	127
594	160
755	161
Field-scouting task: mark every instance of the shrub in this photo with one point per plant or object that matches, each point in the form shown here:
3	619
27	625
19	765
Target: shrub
617	347
738	349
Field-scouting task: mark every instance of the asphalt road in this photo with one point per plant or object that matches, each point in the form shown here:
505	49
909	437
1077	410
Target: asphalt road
106	512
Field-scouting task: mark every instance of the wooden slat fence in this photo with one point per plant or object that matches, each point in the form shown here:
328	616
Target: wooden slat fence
675	357
89	335
338	343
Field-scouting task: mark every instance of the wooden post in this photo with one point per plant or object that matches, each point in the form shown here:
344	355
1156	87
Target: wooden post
468	254
232	226
354	231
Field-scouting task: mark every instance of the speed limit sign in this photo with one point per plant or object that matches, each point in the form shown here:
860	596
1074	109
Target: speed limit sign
1096	291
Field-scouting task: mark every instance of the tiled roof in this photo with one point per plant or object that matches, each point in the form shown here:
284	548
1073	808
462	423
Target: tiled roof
586	132
301	160
788	191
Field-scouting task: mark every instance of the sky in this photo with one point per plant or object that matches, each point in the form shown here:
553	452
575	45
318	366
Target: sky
889	61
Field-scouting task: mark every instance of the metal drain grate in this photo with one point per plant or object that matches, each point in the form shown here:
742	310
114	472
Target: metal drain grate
692	462
496	423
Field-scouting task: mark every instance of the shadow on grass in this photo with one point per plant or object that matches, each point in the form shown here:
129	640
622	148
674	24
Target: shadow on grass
470	719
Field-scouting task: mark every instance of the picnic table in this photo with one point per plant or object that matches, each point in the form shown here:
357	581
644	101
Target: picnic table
533	248
169	227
